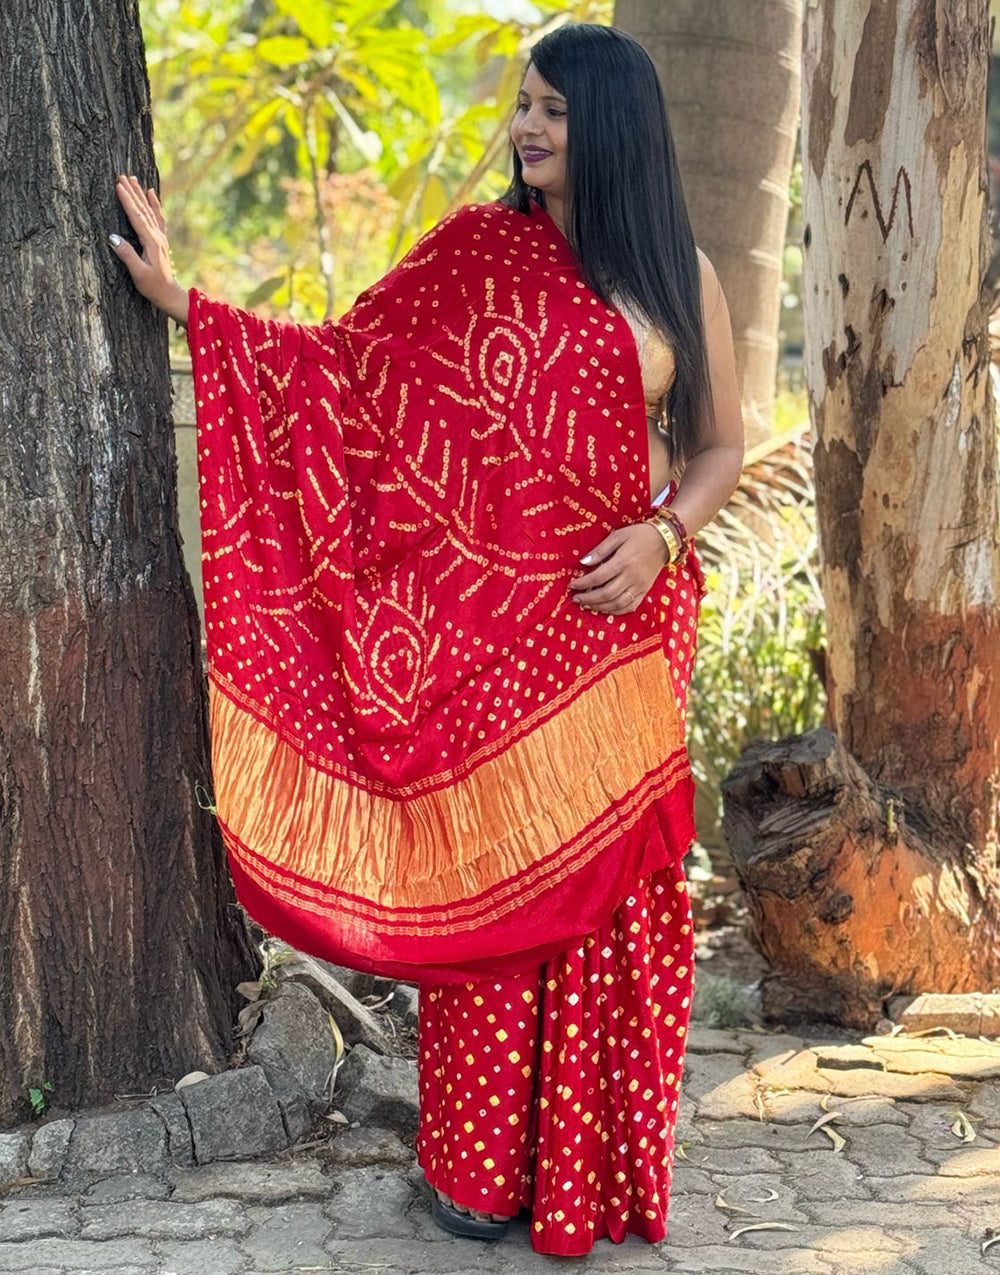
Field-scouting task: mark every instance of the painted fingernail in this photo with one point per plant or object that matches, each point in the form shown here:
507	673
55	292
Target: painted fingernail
115	239
587	559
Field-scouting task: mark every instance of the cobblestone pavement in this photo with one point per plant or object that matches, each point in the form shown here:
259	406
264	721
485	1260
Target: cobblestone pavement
904	1194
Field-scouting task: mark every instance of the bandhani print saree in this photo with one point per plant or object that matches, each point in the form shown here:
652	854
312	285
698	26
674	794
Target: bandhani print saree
428	761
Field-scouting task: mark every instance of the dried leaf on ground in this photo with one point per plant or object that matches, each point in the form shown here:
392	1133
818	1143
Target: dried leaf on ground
823	1120
722	1203
761	1226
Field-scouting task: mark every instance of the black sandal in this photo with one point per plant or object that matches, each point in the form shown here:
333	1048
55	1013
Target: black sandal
458	1223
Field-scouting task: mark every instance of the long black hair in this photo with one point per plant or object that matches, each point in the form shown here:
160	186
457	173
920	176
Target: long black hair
627	221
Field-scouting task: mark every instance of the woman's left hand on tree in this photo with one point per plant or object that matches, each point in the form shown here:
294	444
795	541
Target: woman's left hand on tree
620	570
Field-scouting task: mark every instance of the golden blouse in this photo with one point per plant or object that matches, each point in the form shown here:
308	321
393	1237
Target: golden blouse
656	359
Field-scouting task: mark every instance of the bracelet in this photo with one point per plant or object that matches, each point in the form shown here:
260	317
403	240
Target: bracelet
668	534
667	514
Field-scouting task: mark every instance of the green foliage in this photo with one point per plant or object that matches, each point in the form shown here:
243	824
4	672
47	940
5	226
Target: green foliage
760	621
36	1096
263	109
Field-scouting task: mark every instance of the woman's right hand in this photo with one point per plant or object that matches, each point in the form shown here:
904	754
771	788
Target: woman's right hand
151	273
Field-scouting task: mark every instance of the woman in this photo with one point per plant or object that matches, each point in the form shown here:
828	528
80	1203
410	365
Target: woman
450	636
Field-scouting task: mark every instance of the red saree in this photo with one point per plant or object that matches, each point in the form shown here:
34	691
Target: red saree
428	760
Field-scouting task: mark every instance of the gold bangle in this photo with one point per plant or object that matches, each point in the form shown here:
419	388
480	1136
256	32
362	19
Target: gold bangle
669	537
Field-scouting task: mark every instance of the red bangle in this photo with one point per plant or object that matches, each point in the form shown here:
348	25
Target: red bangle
675	522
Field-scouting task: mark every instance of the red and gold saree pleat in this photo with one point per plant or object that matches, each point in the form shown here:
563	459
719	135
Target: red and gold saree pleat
557	1090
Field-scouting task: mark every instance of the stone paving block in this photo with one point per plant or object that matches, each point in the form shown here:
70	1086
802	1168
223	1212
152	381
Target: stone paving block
711	1159
252	1183
922	1189
720	1085
32	1219
199	1257
767	1135
894	1217
169	1108
126	1186
884	1149
117	1142
690	1181
804	1107
299	1112
958	1062
932	1123
163	1219
234	1115
366	1145
863	1081
370	1204
863	1240
294	1039
90	1270
693	1220
824	1175
373	1089
966	1161
753	1191
715	1040
48	1148
948	1251
961	1011
685	1127
76	1256
761	1045
14	1149
455	1257
719	1259
287	1237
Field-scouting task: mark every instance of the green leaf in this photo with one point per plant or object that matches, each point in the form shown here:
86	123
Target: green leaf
264	292
283	50
314	18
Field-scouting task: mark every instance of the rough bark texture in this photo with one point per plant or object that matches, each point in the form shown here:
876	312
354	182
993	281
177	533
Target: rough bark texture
907	500
851	895
730	72
121	941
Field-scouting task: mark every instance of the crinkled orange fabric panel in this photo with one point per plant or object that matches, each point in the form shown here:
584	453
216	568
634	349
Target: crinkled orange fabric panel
517	809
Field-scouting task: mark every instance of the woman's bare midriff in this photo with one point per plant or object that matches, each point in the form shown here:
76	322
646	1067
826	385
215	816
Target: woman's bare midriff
660	468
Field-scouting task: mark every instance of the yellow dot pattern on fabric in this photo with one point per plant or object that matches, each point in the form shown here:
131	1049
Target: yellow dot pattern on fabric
571	1111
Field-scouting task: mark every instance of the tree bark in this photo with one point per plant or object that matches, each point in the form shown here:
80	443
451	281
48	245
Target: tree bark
122	944
730	72
852	896
896	253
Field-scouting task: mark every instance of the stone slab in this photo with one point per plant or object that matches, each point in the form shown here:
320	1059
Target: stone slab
200	1257
33	1219
14	1148
76	1255
123	1187
117	1142
48	1148
373	1089
288	1237
163	1219
370	1203
253	1183
234	1115
368	1145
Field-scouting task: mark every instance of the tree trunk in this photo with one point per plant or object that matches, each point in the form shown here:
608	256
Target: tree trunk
731	82
121	940
896	251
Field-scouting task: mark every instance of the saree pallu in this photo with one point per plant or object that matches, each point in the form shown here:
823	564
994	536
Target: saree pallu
428	761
